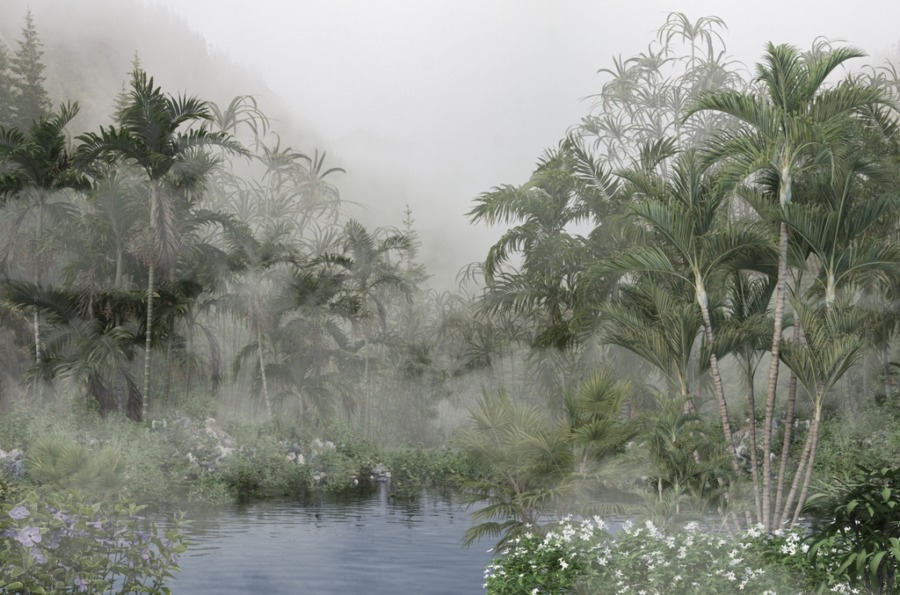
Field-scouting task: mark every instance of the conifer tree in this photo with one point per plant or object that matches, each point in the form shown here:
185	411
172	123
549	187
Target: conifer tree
31	99
6	88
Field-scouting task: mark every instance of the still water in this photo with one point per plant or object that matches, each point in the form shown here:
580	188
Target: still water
361	543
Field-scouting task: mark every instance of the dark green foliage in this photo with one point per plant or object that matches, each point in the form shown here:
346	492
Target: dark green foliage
413	469
6	88
31	99
856	532
264	472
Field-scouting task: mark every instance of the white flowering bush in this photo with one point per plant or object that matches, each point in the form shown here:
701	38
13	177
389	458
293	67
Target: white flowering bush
583	557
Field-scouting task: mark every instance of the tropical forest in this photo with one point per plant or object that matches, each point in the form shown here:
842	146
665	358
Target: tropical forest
675	370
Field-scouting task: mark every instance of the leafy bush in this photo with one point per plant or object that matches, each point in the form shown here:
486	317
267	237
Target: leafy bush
415	468
860	540
62	542
262	471
584	557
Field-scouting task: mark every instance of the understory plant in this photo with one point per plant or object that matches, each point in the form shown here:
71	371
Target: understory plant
859	538
587	556
65	542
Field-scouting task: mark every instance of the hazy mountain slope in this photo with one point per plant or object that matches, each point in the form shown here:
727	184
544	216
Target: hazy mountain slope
89	47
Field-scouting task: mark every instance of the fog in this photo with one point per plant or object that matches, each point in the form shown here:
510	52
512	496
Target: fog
422	103
431	103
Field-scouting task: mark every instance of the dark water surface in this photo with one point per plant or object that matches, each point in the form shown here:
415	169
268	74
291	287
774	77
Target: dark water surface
362	543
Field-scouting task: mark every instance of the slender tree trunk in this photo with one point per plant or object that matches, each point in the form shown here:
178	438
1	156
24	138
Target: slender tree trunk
145	399
120	266
780	290
37	280
754	464
886	364
814	433
703	300
798	474
151	279
262	373
786	444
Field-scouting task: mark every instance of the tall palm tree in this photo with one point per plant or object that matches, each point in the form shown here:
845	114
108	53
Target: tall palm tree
837	227
37	166
155	132
568	187
372	276
791	123
690	243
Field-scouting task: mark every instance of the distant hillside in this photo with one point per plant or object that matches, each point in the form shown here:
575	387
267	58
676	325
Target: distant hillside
89	46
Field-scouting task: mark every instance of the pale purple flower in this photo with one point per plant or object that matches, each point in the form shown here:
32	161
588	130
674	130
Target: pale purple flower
29	536
82	586
18	513
38	556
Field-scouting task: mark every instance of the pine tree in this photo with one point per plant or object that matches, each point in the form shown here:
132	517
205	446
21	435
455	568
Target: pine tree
6	88
31	99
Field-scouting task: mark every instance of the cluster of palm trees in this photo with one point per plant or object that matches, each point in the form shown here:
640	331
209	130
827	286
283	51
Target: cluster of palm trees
139	259
708	222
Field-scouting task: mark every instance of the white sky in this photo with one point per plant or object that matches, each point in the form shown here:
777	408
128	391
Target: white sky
431	102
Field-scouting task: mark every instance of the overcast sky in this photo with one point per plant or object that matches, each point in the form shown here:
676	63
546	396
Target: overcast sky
431	102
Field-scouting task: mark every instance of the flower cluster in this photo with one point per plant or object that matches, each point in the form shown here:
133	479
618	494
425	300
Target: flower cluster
583	556
62	543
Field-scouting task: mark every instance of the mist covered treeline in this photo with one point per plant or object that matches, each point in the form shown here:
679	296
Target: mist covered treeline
184	252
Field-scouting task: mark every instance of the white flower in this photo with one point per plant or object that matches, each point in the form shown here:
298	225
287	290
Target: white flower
563	564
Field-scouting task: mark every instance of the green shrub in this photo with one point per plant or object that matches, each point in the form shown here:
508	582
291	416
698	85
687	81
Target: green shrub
584	557
415	468
56	460
858	539
63	542
263	471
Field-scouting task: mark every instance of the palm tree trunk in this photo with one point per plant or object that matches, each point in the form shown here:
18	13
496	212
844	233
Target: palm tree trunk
703	300
120	265
795	484
262	373
754	464
886	364
786	442
780	290
814	434
145	398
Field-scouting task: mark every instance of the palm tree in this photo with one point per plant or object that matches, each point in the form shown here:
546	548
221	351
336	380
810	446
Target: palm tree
568	186
831	347
836	228
658	322
155	133
524	460
81	343
371	276
792	123
37	167
251	287
690	244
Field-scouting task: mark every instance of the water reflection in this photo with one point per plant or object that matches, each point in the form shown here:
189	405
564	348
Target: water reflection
361	543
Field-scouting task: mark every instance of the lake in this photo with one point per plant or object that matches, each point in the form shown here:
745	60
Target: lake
358	543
